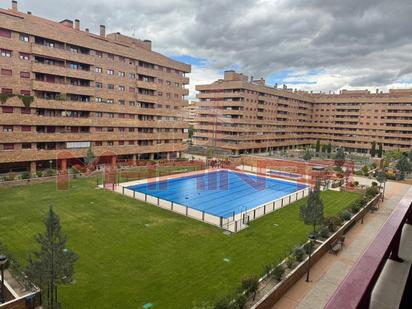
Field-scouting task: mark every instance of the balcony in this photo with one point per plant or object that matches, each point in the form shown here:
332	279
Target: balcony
62	71
62	54
63	88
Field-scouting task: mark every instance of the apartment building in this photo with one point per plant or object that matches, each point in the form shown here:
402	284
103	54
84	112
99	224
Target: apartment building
246	116
190	112
64	89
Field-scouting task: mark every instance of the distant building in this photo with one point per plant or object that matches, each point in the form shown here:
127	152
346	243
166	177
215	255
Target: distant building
190	113
246	116
110	92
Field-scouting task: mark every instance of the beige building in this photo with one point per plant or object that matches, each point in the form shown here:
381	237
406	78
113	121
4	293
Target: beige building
78	90
246	116
190	113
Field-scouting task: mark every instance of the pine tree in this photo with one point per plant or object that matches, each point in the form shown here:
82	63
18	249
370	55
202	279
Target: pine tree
403	166
307	156
324	147
317	147
312	211
339	157
53	265
89	156
329	148
380	150
373	149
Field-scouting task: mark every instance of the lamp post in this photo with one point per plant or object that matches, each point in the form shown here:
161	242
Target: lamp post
3	261
311	239
51	162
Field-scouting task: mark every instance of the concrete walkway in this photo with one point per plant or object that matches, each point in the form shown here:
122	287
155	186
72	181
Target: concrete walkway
329	272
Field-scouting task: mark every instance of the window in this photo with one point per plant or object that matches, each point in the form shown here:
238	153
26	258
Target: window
24	56
110	56
99	85
109	143
24	37
120	143
25	92
5	53
7	90
110	86
132	89
110	72
98	70
26	146
5	33
99	54
25	74
74	66
131	142
99	114
98	99
25	128
25	110
7	128
98	143
110	115
6	72
7	109
121	88
132	75
110	101
8	146
121	102
132	103
121	74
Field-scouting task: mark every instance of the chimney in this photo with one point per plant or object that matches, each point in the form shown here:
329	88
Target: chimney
77	24
103	31
28	13
148	44
87	29
14	6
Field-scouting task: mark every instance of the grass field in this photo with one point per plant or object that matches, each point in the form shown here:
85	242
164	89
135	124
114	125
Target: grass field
132	253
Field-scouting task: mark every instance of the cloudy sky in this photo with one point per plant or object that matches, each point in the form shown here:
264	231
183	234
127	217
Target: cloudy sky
320	45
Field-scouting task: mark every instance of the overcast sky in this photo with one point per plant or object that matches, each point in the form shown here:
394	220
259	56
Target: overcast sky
307	44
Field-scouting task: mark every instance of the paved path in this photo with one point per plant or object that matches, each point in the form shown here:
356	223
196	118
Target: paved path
329	272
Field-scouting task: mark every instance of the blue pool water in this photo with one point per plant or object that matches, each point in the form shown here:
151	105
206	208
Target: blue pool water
220	193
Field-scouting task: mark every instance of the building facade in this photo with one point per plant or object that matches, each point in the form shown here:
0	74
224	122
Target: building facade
246	116
65	89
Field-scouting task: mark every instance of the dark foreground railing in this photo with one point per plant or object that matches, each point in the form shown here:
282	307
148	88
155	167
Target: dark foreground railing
356	289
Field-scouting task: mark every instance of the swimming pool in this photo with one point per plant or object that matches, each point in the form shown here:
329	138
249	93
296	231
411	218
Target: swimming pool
221	193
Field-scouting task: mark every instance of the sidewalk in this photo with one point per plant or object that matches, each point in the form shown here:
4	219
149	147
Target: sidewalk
328	273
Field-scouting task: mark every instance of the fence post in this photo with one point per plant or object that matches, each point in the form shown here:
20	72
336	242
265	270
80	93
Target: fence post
203	215
123	190
297	195
145	198
221	221
254	214
281	204
290	198
273	205
158	202
233	216
186	211
171	206
235	226
112	186
134	194
264	209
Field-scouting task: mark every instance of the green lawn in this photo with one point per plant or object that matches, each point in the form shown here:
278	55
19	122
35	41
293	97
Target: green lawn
132	253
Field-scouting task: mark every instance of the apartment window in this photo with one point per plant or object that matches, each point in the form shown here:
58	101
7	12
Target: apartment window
6	72
8	146
26	128
7	90
24	56
121	74
121	88
7	128
132	89
109	143
110	56
131	142
110	115
25	74
99	114
74	50
7	109
6	53
26	145
98	143
26	110
132	75
110	101
99	54
121	129
120	143
110	129
132	103
74	66
122	59
5	33
98	99
110	86
121	102
25	92
24	37
110	72
99	85
98	70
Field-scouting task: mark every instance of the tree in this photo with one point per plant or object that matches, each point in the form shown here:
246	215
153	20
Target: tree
403	166
89	156
365	170
307	156
410	156
190	131
53	265
329	148
317	147
381	178
312	211
380	150
339	157
324	147
373	149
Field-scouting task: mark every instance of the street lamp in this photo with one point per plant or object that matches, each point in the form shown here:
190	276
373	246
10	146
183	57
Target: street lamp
3	261
51	162
311	240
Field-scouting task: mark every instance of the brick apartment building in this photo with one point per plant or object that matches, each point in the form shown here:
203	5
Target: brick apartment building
246	116
74	90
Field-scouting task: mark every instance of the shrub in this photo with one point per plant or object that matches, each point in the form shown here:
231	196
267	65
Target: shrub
313	235
240	301
374	184
299	253
51	172
371	192
356	183
250	285
267	269
324	232
345	215
332	223
290	261
308	247
278	272
10	176
25	175
39	173
224	303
